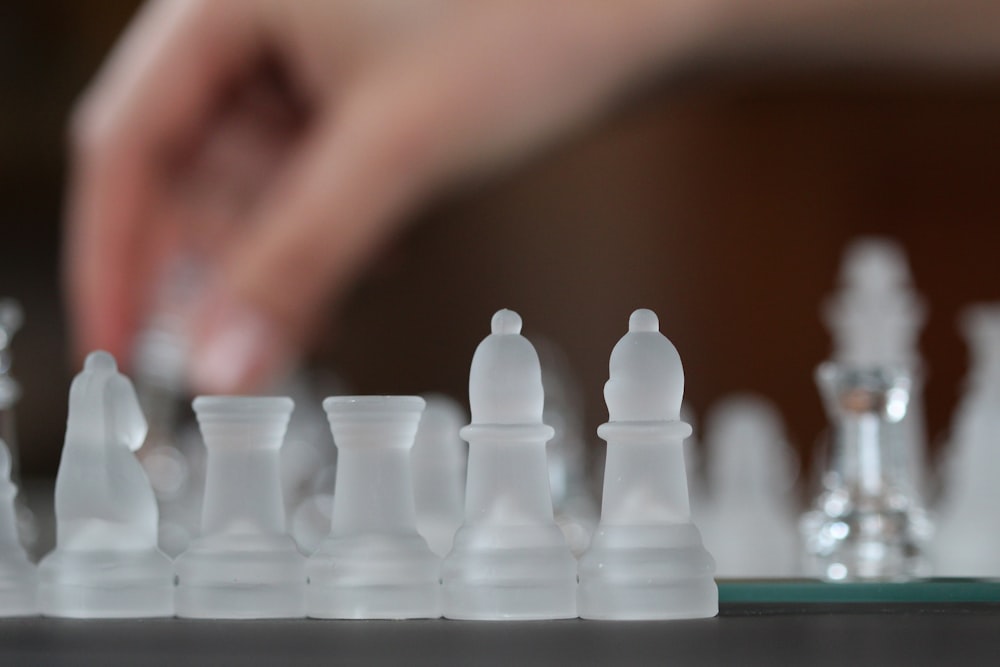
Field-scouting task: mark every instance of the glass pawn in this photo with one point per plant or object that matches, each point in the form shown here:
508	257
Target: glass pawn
646	559
510	560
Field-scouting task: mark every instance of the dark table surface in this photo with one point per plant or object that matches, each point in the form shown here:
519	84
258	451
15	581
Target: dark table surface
743	634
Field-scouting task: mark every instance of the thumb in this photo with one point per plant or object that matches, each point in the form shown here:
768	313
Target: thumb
341	198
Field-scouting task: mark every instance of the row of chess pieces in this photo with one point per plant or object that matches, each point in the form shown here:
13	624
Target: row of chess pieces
741	498
509	558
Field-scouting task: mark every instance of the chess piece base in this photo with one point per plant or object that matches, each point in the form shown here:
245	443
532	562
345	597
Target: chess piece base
532	579
531	602
241	577
374	576
106	584
647	573
373	602
605	601
241	601
18	586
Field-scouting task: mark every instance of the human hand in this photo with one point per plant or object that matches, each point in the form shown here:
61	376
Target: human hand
281	143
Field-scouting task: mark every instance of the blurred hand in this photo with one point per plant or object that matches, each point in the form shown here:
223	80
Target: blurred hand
281	143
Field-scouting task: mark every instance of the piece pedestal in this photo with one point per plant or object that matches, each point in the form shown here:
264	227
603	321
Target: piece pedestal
647	573
374	576
531	581
18	585
106	584
241	576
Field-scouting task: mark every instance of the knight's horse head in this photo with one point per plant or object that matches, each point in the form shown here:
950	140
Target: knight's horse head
103	407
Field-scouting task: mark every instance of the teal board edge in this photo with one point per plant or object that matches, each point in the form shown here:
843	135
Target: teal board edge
814	591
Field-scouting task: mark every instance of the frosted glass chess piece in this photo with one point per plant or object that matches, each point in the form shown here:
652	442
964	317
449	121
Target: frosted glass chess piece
11	320
105	564
310	523
510	560
695	467
311	519
967	536
309	468
159	359
161	348
178	475
374	564
308	446
646	560
572	493
18	580
750	524
439	459
244	564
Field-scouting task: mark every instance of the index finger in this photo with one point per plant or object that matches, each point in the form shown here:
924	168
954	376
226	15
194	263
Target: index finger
155	90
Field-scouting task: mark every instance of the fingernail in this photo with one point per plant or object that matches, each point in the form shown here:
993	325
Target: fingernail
240	347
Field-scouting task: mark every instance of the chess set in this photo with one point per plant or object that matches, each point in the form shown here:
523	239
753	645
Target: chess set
413	523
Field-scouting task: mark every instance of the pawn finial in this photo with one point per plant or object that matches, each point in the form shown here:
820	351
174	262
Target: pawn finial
505	322
100	360
644	320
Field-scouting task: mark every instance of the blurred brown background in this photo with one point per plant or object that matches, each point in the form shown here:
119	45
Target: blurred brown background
722	199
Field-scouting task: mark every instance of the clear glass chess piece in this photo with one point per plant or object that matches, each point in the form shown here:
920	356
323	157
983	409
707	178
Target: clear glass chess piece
875	319
865	523
159	359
